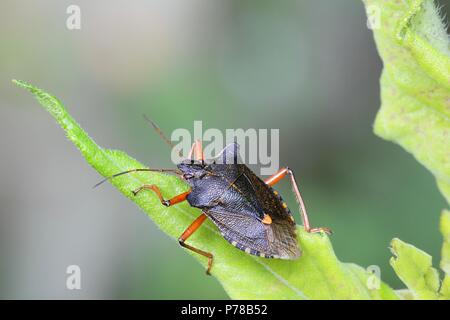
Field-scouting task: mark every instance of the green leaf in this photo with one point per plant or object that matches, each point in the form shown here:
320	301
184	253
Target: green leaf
318	274
405	294
414	268
445	260
415	84
445	230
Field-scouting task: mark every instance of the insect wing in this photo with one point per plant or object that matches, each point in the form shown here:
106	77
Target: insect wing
252	236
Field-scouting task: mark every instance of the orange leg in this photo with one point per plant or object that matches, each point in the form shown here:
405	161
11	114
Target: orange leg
188	232
191	229
273	180
177	199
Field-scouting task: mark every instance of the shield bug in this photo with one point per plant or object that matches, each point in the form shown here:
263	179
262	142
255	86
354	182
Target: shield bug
249	213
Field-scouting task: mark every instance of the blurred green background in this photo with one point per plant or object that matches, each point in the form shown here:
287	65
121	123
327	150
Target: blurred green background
309	68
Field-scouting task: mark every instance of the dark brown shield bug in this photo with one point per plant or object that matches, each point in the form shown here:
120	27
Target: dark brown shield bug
249	213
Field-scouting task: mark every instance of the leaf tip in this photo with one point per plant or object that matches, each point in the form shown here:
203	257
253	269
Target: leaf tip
21	84
393	246
27	86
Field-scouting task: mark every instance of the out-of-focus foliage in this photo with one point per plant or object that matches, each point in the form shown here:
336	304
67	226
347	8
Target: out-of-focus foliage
415	111
415	85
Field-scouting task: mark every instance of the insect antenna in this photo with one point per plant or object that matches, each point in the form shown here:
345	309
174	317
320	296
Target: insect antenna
136	170
161	134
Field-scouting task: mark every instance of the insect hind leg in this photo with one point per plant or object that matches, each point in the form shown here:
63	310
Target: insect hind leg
277	177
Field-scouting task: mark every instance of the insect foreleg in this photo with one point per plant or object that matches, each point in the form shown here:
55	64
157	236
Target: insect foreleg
170	202
271	181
